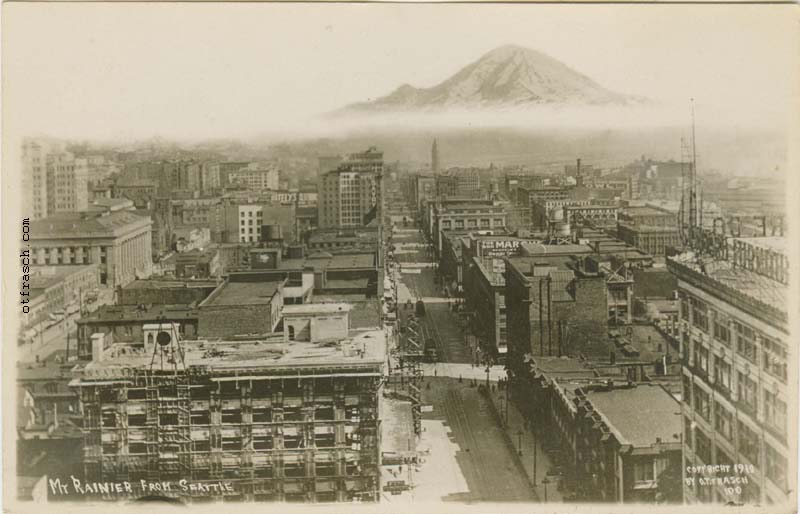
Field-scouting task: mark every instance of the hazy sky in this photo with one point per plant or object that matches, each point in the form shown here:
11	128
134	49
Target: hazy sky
199	70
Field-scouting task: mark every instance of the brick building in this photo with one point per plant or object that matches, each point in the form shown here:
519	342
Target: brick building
58	289
554	308
241	308
123	324
165	292
628	444
649	238
471	215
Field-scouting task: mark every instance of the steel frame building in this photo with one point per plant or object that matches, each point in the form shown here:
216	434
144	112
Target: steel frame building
256	415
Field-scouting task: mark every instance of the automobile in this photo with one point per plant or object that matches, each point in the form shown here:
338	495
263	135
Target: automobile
420	310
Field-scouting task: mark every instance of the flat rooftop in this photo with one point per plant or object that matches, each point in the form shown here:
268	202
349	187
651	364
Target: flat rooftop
317	308
648	228
75	224
645	210
364	312
356	283
524	263
257	357
775	243
135	312
321	261
243	293
758	287
567	249
55	274
469	206
153	283
563	367
622	409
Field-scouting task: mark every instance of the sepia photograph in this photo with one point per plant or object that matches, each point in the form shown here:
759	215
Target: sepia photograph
400	257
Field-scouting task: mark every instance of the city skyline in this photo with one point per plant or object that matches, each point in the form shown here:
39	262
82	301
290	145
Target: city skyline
406	255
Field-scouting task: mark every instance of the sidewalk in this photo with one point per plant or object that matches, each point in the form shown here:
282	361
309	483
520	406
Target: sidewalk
516	423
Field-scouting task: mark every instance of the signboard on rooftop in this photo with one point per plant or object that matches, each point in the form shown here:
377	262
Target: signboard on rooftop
499	247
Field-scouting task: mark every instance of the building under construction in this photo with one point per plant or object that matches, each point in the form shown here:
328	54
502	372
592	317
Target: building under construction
275	420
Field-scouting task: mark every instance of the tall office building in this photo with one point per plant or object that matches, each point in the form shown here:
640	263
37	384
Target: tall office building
435	156
34	177
54	180
349	196
734	347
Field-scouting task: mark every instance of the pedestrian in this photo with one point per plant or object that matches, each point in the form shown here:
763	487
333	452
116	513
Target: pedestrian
435	371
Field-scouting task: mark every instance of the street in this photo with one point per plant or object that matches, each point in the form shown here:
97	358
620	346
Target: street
468	455
488	464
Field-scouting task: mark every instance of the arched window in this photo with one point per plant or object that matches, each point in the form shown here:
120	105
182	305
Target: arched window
150	339
291	333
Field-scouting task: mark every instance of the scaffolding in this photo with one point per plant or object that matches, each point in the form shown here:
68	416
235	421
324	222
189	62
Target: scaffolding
408	375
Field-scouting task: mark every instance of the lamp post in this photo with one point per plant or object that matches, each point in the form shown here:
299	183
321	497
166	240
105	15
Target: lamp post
535	451
507	398
545	481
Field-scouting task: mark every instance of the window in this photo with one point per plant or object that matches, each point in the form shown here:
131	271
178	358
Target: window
135	447
722	374
702	446
262	415
723	458
746	390
748	443
109	418
773	358
745	341
774	412
137	420
167	419
291	333
721	332
136	394
684	308
687	390
231	444
723	422
701	356
776	466
700	312
643	471
262	442
701	402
